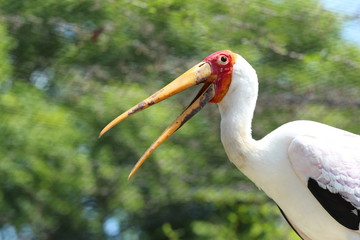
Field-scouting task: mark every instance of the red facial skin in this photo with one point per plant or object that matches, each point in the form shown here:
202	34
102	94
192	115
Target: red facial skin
222	71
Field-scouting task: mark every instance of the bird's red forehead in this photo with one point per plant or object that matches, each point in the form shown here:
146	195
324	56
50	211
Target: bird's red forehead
221	63
216	66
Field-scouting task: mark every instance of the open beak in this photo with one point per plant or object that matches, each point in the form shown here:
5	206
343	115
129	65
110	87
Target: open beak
200	73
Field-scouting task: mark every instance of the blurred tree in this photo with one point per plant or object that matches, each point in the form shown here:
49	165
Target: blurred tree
68	67
5	63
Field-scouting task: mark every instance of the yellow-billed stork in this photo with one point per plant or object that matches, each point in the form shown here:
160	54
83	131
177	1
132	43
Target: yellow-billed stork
311	170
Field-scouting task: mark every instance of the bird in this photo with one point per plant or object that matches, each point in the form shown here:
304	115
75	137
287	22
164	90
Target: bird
309	169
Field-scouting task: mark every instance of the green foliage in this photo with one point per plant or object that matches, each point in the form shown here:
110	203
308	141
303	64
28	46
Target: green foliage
68	67
5	63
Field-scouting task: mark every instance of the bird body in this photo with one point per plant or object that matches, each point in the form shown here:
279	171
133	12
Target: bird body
278	165
267	163
311	170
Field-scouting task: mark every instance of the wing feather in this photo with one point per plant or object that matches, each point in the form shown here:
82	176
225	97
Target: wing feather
333	162
330	167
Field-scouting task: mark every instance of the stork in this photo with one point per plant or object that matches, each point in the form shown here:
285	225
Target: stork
311	170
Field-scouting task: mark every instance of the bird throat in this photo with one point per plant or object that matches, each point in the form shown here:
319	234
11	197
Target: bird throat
222	84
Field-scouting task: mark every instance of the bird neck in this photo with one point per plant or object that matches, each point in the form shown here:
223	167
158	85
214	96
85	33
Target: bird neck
237	110
236	120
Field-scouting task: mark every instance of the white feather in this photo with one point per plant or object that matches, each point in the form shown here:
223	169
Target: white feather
281	168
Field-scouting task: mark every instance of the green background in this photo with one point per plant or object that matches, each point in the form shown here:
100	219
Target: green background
69	67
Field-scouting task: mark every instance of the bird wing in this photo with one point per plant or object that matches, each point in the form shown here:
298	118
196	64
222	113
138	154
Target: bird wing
330	167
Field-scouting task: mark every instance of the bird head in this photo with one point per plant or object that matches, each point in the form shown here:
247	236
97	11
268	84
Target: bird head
214	72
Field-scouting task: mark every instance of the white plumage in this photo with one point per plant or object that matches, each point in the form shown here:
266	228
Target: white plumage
282	163
311	170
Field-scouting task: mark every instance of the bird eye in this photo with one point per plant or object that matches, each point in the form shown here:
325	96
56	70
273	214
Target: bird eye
223	60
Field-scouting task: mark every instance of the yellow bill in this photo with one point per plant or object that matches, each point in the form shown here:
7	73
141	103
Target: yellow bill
200	73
